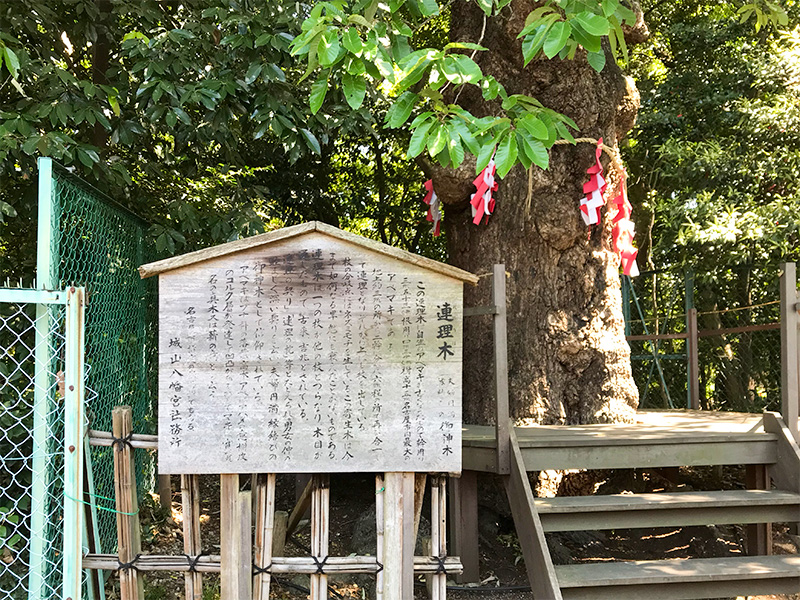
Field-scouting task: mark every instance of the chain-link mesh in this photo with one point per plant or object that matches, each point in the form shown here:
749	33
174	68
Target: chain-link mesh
31	479
739	345
99	245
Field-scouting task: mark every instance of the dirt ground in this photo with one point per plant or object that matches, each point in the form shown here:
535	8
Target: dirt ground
502	569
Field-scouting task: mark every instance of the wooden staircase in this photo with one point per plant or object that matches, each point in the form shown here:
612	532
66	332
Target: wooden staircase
603	446
683	438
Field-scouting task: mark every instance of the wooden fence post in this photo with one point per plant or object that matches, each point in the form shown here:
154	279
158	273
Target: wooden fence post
398	538
236	543
693	359
501	369
129	539
789	351
190	500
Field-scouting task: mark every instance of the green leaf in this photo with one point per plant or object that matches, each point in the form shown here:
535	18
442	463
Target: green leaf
438	139
11	60
590	42
557	38
486	6
114	103
536	152
455	150
419	139
591	23
466	136
355	89
328	48
318	91
464	46
469	68
352	41
428	7
252	73
311	140
506	154
401	109
597	60
610	7
275	71
534	126
484	156
534	19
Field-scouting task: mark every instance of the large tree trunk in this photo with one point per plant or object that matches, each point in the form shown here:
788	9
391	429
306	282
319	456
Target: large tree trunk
568	358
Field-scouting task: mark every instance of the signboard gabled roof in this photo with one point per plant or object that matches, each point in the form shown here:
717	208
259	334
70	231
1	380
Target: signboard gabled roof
170	264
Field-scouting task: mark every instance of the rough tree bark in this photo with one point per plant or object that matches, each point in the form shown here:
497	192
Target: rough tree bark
568	359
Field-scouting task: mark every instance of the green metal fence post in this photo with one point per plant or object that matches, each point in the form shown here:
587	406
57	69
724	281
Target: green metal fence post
74	425
42	383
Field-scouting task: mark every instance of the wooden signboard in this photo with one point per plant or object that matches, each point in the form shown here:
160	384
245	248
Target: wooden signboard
309	349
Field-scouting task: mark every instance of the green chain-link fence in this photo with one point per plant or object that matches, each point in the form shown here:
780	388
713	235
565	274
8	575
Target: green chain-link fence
31	477
97	244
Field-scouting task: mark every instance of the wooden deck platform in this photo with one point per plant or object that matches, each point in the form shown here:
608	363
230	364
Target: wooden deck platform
659	438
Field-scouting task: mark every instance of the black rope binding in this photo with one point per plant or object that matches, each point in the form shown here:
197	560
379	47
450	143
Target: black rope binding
259	570
121	566
380	568
440	569
193	561
320	564
122	442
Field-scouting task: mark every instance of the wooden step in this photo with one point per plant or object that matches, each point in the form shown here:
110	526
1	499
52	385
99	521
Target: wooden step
578	513
658	439
681	579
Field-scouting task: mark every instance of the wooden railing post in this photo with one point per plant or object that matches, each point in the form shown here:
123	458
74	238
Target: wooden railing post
129	541
502	416
789	354
692	359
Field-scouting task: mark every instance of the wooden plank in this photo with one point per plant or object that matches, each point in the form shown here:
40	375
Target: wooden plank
190	503
759	535
320	529
303	565
538	563
664	572
742	329
379	528
409	541
790	358
665	510
476	311
502	422
265	519
300	508
664	500
665	455
693	360
442	527
209	424
656	337
785	471
463	501
165	493
398	543
689	591
127	505
235	540
279	532
270	237
420	483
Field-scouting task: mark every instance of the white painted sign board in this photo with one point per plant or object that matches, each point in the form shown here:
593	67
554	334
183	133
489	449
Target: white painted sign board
309	353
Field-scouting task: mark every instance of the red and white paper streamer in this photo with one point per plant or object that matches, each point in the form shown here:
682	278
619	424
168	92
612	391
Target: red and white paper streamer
482	201
434	212
593	190
623	231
